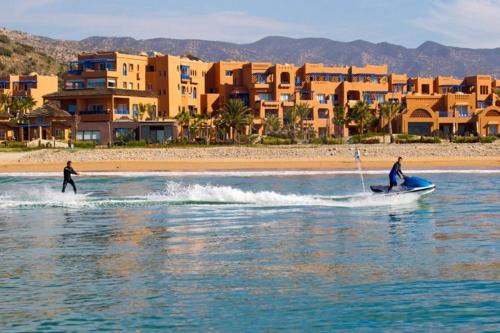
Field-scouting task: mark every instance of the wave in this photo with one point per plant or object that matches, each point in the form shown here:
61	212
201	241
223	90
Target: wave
197	194
268	173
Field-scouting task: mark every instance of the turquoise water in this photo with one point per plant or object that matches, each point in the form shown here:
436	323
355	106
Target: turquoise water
248	252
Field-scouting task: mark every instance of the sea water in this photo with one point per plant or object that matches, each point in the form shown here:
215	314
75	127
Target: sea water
249	251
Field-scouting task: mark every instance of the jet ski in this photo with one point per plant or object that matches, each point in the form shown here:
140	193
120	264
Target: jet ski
410	185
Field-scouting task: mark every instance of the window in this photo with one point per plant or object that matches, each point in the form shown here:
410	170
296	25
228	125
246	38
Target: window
195	95
135	110
492	129
426	89
462	110
321	98
131	67
95	108
74	84
138	86
131	85
121	108
125	134
137	67
96	83
124	71
88	136
59	133
264	97
183	91
484	90
2	134
111	83
335	99
229	73
124	85
72	108
323	113
285	97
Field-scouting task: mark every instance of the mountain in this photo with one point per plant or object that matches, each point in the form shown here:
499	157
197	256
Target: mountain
428	59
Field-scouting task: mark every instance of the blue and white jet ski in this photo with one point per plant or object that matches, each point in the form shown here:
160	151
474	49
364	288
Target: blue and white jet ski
410	185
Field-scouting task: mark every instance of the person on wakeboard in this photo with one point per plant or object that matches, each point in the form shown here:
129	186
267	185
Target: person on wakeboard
68	171
395	172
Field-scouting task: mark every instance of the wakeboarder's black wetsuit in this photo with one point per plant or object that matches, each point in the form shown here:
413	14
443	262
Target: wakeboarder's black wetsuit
68	171
395	171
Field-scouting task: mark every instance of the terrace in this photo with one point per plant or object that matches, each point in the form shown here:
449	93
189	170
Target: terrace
77	67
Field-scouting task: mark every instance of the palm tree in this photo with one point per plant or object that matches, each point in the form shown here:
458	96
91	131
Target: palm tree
291	119
272	124
143	109
303	110
360	114
183	118
339	118
27	104
389	111
236	116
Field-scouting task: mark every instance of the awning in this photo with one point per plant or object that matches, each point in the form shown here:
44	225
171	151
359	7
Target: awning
492	123
462	104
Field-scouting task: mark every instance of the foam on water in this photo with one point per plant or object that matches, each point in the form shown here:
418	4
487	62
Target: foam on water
197	194
264	173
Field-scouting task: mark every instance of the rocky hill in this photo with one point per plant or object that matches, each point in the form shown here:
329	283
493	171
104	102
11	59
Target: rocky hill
428	59
19	58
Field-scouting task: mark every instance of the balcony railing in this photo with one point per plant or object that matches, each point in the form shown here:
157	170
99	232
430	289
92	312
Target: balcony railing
464	114
122	112
87	112
446	114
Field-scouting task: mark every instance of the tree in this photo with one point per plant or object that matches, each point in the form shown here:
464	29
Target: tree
183	118
389	111
26	104
143	109
5	102
272	124
360	114
339	118
236	116
291	119
303	110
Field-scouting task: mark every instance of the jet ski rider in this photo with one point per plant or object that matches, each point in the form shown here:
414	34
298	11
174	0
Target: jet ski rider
395	172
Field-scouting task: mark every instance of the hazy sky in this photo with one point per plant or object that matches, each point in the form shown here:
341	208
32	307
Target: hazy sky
467	23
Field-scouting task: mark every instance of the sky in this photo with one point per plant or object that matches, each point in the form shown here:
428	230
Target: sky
465	23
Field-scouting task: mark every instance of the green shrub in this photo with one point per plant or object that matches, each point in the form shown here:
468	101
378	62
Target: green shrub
370	141
4	39
271	140
488	139
465	139
16	144
133	143
84	144
324	140
5	52
408	138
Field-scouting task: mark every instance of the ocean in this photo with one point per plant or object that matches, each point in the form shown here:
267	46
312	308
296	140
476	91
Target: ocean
249	252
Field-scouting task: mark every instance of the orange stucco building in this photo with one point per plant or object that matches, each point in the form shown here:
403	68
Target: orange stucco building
453	106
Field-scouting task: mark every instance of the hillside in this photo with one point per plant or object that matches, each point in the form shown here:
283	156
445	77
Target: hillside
428	59
20	58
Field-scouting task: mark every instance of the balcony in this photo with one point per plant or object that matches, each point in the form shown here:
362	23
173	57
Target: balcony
465	114
124	112
87	112
446	114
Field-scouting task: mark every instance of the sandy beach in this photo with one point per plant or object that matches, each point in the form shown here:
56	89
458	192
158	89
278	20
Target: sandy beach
254	158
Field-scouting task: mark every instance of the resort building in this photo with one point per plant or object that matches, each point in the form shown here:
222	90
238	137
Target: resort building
107	97
452	107
32	85
180	83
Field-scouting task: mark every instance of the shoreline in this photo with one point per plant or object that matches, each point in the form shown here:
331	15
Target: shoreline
254	165
240	158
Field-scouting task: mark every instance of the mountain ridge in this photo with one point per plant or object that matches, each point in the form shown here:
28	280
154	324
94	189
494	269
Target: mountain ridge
428	59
